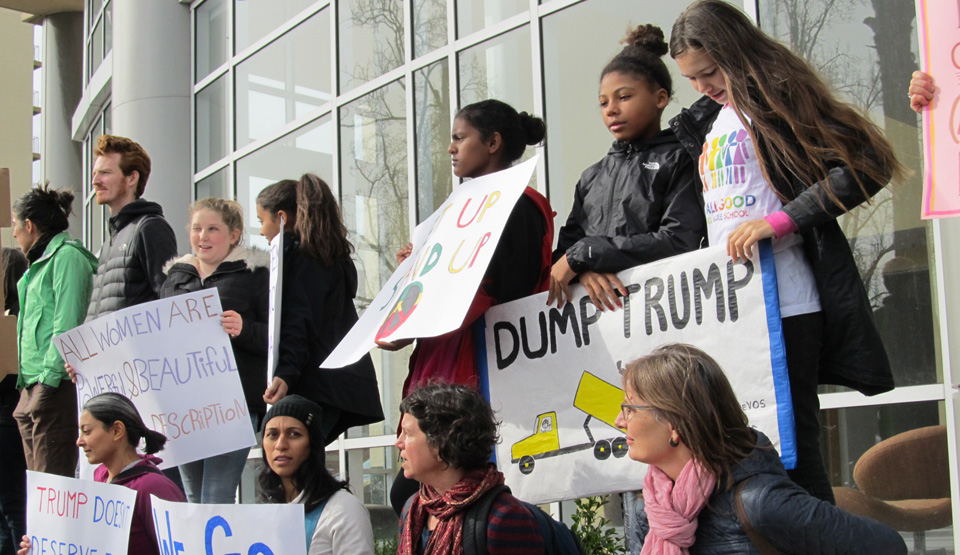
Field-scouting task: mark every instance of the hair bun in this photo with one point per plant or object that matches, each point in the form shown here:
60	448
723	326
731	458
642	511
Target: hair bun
534	128
647	37
64	199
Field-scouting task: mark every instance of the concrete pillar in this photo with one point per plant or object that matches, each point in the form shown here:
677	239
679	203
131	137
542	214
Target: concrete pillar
151	97
16	69
62	88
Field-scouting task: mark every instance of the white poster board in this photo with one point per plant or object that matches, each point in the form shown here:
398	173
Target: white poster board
554	375
172	358
70	516
430	292
276	298
238	529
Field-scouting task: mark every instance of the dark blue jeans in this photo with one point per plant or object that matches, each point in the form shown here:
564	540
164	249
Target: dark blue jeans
803	338
13	490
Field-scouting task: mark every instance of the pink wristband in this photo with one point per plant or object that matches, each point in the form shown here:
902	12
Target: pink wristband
781	223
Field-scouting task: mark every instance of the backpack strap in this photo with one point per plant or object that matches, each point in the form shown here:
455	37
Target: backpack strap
310	519
475	522
761	543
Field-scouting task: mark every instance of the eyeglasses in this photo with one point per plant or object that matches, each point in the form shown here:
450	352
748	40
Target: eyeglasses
627	410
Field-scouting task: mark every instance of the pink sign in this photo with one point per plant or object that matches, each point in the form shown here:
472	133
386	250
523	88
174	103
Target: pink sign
938	26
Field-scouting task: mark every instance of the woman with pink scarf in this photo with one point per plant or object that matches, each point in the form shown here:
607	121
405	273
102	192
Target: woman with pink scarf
715	485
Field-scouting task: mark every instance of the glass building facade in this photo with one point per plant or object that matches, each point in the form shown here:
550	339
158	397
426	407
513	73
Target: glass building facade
363	93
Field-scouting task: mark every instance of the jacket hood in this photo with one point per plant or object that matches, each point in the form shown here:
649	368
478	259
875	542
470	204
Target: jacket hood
132	211
764	459
253	257
100	473
63	240
664	136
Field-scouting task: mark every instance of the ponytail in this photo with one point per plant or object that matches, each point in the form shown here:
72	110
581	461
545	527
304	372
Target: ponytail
110	407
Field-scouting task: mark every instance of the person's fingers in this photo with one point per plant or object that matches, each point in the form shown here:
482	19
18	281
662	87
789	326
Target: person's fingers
615	281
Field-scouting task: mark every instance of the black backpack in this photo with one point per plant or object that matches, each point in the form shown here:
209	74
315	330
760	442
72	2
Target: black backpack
557	538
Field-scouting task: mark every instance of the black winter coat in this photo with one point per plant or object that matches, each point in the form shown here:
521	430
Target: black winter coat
130	270
317	311
853	353
636	205
242	280
783	513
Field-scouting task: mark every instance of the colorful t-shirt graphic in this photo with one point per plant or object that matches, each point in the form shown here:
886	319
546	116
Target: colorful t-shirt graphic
734	192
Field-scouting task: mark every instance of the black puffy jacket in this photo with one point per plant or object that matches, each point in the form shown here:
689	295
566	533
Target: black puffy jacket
783	513
130	270
853	353
242	280
636	205
317	311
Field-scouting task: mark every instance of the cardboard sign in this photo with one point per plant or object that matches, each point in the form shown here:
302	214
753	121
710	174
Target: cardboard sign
938	30
172	358
70	516
554	374
430	292
276	298
247	529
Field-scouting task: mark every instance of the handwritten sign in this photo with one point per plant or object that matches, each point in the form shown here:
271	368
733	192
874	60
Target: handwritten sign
430	292
172	358
938	29
554	374
247	529
276	297
70	516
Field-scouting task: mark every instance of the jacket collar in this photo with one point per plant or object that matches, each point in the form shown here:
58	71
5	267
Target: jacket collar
132	211
664	136
53	243
240	258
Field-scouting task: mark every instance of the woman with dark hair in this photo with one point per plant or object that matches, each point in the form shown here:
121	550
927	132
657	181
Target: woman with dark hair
780	157
487	137
110	432
241	277
294	471
447	435
319	286
715	485
53	294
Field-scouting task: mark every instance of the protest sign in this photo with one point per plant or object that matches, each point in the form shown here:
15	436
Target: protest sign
276	297
172	358
195	528
938	30
66	515
430	292
554	374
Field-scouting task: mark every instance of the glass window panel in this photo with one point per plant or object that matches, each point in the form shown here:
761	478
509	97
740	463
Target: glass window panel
306	150
429	26
285	81
576	136
94	9
215	185
211	37
371	473
371	40
256	18
499	68
431	98
211	123
108	29
888	238
474	15
96	45
846	434
374	198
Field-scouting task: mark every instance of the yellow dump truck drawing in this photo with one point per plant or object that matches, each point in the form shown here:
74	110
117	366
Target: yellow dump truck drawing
595	397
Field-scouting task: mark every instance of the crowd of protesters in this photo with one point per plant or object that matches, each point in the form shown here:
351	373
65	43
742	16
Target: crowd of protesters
808	158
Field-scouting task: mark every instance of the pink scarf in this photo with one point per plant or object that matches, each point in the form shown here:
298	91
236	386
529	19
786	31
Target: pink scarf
672	508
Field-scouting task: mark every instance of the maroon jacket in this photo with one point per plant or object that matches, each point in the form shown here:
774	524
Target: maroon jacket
144	478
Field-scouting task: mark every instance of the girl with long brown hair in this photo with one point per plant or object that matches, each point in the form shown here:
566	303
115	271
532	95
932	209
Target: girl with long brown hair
781	158
319	285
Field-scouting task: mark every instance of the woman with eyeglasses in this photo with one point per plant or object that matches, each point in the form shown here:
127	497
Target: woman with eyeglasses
715	485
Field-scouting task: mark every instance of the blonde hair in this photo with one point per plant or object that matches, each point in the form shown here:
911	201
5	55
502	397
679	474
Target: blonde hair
229	211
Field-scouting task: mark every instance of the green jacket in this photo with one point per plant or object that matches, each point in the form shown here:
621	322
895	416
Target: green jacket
54	294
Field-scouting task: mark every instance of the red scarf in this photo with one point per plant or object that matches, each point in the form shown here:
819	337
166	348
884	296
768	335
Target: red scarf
672	508
449	508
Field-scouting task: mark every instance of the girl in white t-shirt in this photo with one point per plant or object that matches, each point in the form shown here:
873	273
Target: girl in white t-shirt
780	157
